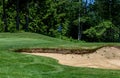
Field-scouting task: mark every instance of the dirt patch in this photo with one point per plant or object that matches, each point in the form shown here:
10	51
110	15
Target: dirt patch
105	57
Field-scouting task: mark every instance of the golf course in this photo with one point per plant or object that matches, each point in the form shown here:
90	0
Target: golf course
59	38
35	65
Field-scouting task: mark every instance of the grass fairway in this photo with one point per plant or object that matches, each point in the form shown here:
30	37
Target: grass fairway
17	65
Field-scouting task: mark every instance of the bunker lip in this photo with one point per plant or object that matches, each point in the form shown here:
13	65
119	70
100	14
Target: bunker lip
62	50
107	57
57	50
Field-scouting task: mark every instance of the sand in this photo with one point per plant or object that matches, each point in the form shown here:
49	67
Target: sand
105	58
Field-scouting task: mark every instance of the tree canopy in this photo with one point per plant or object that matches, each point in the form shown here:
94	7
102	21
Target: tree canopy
93	20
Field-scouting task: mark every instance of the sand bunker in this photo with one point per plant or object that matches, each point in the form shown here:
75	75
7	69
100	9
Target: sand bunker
106	57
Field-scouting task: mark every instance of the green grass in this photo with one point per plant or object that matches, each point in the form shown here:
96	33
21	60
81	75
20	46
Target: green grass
17	65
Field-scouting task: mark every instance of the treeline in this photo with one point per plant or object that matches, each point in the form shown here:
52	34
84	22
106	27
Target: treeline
88	20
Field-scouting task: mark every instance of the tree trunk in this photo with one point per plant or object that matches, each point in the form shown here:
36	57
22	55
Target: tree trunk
85	7
17	17
110	9
79	26
5	17
27	16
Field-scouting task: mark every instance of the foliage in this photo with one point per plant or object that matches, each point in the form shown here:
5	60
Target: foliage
46	16
102	32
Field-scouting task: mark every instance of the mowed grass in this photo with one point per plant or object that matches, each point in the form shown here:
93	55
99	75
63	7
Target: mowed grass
17	65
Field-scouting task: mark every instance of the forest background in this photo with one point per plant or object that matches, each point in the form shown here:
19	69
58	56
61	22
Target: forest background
87	20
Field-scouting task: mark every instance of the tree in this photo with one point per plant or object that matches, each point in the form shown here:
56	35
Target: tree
102	32
108	9
22	12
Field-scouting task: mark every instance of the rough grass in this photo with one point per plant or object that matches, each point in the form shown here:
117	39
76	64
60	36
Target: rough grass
17	65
